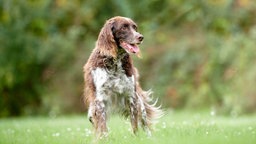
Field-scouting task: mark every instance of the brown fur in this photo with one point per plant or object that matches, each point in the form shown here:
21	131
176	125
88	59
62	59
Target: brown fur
104	55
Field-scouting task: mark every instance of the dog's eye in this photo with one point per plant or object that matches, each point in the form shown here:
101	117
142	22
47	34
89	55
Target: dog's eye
134	27
125	27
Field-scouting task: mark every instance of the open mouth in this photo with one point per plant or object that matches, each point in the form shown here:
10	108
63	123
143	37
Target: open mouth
130	48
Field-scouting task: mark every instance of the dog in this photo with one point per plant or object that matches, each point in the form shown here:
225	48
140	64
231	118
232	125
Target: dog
111	80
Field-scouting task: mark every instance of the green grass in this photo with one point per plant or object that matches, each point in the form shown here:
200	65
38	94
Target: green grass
173	128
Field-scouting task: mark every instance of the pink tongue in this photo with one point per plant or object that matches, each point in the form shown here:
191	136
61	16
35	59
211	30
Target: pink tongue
133	48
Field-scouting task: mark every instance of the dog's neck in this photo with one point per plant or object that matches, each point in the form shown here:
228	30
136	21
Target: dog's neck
121	53
123	58
111	62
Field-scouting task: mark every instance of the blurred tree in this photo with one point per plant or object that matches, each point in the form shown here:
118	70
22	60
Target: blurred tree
21	33
31	44
198	52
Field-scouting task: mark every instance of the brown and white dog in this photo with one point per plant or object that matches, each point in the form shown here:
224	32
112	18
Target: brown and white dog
111	80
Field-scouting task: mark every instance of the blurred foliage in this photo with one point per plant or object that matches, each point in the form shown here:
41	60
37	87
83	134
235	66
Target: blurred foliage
197	54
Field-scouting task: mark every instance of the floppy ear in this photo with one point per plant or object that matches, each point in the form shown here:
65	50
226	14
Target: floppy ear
106	42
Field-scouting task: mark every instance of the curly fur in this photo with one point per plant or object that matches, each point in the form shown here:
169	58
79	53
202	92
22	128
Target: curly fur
111	80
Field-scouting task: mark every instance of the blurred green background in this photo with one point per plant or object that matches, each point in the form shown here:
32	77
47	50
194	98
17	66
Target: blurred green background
197	54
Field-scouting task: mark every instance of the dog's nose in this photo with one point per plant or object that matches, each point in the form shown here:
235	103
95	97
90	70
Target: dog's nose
140	38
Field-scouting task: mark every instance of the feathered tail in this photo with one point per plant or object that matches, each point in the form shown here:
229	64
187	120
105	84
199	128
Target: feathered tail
150	113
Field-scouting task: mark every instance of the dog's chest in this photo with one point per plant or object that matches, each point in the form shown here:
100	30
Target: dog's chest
111	81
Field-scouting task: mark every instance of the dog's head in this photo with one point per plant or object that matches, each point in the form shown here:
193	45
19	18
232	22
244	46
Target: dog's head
119	32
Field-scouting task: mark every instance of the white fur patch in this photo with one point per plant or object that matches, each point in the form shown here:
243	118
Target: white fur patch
113	86
99	78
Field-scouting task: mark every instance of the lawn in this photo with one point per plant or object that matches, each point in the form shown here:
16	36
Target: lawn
173	128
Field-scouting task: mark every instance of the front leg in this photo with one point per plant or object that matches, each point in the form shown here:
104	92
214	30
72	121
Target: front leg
101	117
97	116
134	114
